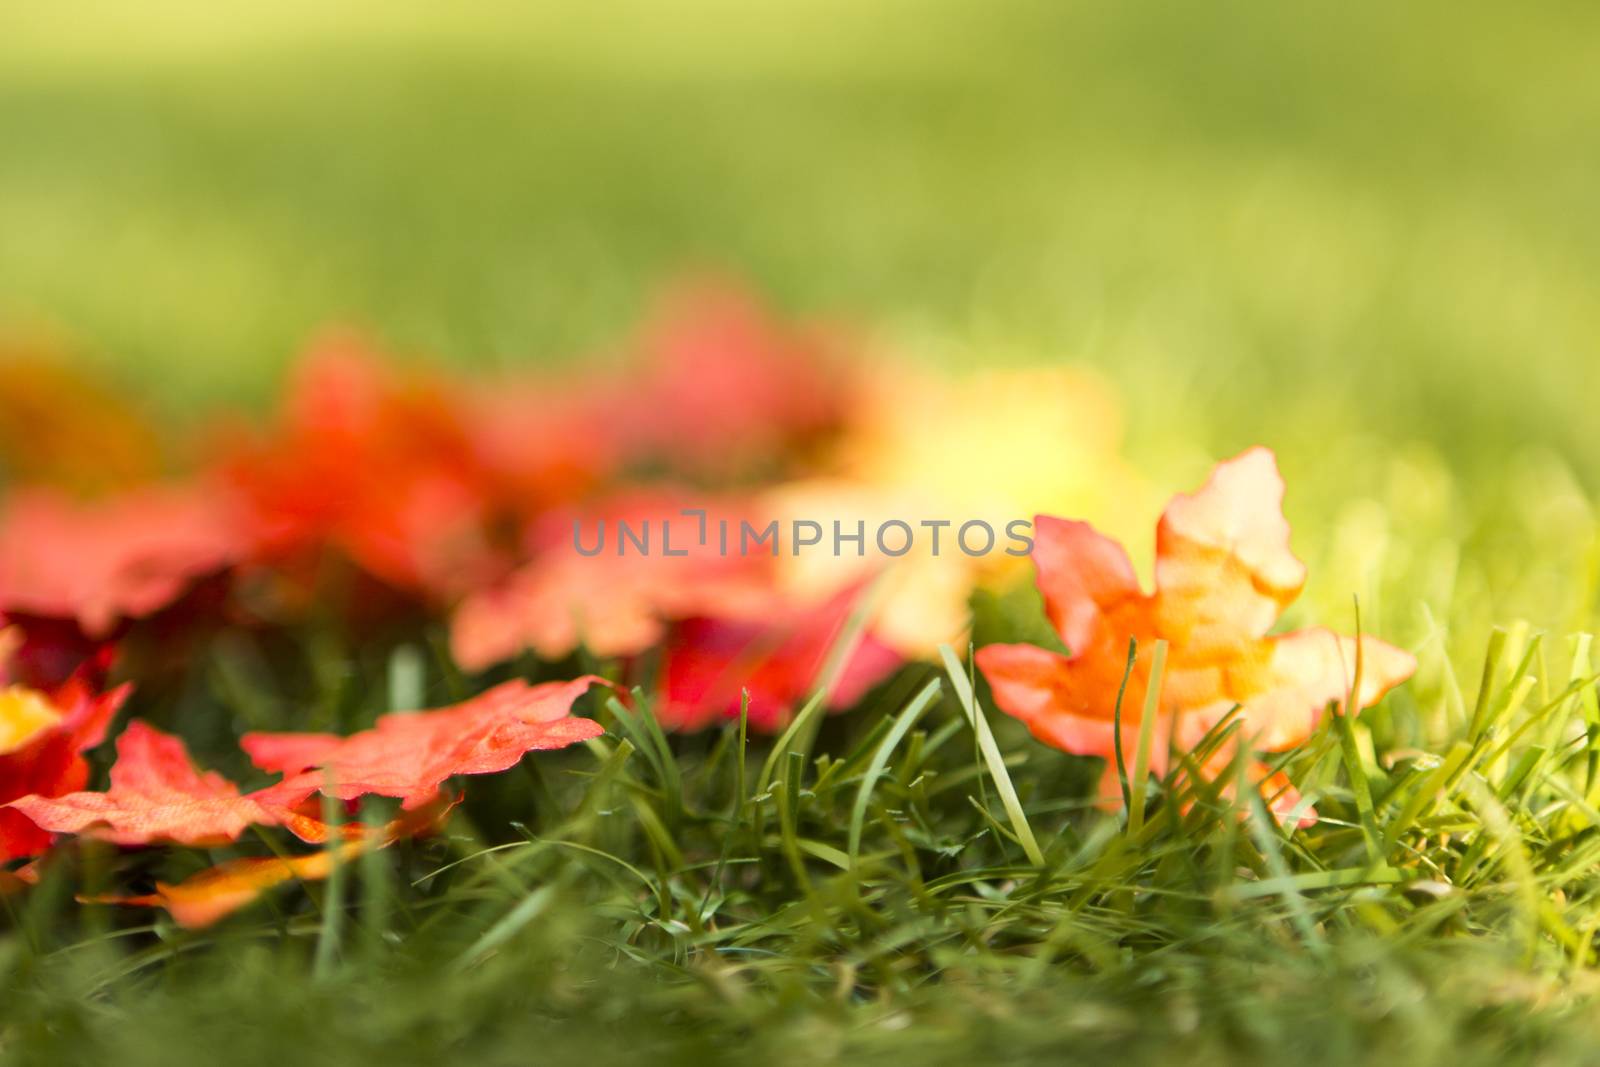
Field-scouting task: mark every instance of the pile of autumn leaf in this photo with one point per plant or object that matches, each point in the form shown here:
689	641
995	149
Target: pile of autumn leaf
381	490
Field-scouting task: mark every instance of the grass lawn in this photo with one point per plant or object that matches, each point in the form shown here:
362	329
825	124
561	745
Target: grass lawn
1362	234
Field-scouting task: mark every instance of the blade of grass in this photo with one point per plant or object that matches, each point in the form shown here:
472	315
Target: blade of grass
1147	728
1116	725
798	737
880	760
1491	664
1350	751
331	932
407	676
529	909
1265	832
991	756
643	729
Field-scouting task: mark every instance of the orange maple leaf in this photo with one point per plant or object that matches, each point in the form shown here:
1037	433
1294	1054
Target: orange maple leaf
62	425
1223	574
217	892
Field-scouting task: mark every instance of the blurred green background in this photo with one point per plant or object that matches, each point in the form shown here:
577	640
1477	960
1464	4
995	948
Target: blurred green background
1365	234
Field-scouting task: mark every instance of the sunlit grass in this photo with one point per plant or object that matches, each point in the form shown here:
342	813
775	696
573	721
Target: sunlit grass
866	892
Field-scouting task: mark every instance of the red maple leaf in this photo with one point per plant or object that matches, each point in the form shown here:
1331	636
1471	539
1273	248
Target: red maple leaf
620	600
409	755
370	462
156	796
126	556
45	736
708	664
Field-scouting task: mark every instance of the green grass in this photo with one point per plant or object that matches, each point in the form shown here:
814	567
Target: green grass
867	892
1362	234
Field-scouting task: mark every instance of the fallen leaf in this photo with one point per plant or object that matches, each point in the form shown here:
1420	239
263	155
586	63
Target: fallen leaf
43	736
410	755
157	796
99	562
1223	574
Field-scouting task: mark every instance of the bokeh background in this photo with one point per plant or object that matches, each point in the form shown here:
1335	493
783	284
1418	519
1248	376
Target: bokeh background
1364	234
